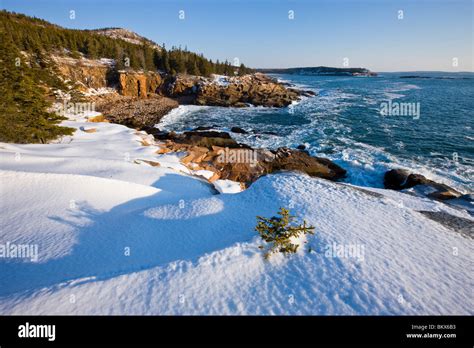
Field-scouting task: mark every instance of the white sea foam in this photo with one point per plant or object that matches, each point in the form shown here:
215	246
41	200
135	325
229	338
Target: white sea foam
175	116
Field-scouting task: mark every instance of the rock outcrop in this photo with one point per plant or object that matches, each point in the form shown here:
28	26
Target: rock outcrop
400	179
255	89
395	179
86	73
139	84
288	159
227	159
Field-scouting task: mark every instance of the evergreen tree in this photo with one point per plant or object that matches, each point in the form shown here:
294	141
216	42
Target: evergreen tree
191	66
23	109
279	231
205	67
91	49
166	61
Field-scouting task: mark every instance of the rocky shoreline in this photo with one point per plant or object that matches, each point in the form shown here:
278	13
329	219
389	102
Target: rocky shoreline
141	100
238	91
129	87
220	157
227	159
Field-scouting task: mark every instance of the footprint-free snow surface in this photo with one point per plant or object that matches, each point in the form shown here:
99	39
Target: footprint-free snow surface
116	235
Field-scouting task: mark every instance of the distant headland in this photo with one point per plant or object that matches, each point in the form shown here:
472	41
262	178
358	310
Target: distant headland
321	70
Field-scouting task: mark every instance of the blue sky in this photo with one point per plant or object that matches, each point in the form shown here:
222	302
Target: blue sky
431	35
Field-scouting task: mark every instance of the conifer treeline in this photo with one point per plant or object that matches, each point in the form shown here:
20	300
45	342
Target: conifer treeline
35	35
28	81
24	115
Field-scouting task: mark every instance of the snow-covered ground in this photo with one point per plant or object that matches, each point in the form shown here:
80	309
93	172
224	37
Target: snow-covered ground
116	235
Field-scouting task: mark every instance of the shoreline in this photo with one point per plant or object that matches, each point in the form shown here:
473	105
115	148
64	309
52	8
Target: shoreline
167	145
361	177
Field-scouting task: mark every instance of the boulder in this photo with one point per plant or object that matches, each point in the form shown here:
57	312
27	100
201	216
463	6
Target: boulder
208	134
207	139
157	133
204	128
287	159
238	130
400	179
416	179
444	195
394	179
308	93
88	130
98	118
269	133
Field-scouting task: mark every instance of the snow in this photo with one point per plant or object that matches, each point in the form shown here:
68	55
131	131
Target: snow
102	62
227	186
99	91
118	236
107	61
220	80
204	173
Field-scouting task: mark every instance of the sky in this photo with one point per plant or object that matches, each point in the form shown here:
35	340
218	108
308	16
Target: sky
427	35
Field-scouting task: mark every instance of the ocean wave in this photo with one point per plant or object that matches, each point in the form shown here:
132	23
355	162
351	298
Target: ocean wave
393	92
367	165
175	116
392	96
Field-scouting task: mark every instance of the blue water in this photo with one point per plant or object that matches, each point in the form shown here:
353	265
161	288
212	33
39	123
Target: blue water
343	122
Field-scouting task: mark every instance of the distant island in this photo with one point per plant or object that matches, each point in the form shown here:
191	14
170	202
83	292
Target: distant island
321	70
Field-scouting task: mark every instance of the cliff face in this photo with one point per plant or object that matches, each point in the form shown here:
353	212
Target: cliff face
139	84
89	73
236	91
86	73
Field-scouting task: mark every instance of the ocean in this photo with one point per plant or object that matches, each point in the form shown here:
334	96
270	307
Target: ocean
365	124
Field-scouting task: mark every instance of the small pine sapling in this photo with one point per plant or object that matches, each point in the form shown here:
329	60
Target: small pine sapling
278	231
